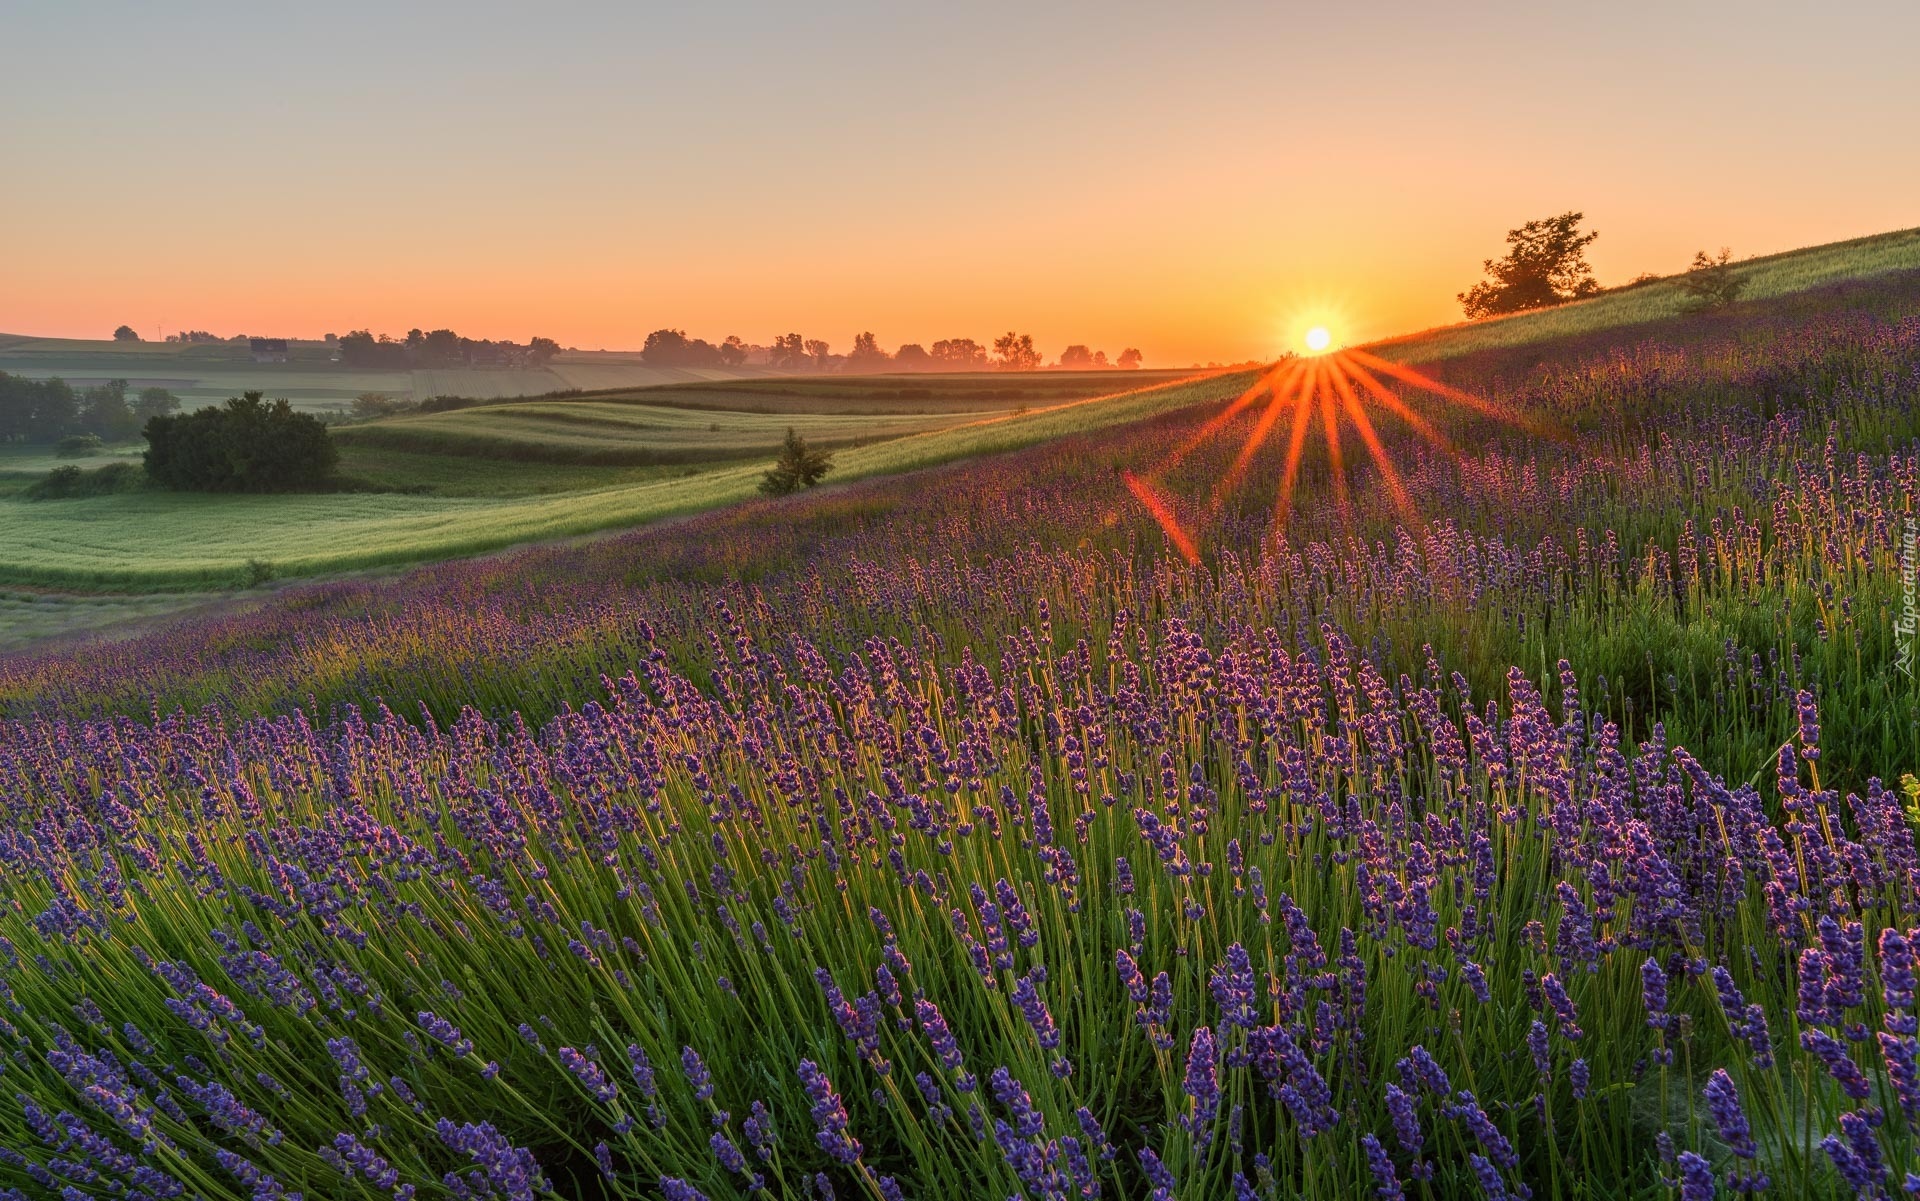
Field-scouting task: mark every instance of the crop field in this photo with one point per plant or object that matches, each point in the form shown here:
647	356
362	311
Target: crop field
633	433
152	540
1516	804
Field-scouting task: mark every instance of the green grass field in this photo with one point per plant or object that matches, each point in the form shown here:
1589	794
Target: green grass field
618	433
156	540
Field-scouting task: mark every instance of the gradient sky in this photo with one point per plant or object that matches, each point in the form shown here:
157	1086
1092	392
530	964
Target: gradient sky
1198	180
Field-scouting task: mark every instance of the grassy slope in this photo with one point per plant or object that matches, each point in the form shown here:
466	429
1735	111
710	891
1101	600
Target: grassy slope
1767	276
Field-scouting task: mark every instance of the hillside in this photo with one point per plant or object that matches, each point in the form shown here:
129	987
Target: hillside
1012	782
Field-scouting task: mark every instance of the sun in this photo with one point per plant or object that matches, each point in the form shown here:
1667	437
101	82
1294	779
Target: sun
1318	339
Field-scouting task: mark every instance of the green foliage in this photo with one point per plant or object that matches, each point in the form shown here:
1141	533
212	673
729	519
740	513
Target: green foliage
78	446
1712	282
248	445
69	482
1545	265
799	466
34	410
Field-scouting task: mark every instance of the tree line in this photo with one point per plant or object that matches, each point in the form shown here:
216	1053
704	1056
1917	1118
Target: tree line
441	348
1011	351
47	410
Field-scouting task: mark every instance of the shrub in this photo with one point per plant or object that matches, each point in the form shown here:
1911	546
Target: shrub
78	446
799	466
1711	282
67	482
246	445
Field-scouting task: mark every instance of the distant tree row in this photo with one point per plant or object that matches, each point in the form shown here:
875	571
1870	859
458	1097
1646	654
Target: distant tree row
791	352
441	348
47	410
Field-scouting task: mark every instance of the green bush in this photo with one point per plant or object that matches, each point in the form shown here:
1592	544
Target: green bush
246	445
65	483
78	446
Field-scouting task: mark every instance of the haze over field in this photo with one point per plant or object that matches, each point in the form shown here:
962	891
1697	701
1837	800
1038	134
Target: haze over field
1201	181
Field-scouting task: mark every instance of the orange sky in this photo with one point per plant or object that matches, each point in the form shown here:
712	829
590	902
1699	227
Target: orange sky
1201	184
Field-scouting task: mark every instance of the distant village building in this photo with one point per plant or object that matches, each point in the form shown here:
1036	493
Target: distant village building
269	350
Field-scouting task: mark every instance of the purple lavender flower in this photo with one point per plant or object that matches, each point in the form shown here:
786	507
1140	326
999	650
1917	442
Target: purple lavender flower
1723	1105
829	1115
698	1078
1202	1086
1385	1180
1696	1178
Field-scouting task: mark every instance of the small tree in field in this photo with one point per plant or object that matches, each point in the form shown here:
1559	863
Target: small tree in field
1546	264
799	466
126	333
1712	283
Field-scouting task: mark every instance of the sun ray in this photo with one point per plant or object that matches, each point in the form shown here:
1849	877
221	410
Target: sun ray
1280	375
1399	408
1296	443
1261	428
1479	404
1162	513
1369	439
1331	431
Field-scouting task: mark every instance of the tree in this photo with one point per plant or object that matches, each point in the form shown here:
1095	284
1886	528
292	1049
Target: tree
126	333
912	357
1016	352
799	466
1712	283
959	354
154	402
789	351
866	354
370	405
247	445
1545	265
105	414
1079	358
818	352
1129	358
733	352
540	351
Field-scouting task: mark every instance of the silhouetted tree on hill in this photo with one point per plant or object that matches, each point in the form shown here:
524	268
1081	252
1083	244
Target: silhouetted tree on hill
1129	358
1545	265
126	333
1712	283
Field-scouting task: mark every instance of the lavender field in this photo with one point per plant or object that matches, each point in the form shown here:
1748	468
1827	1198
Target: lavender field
953	835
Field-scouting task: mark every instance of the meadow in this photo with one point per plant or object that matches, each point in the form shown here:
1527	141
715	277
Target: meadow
480	479
956	834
